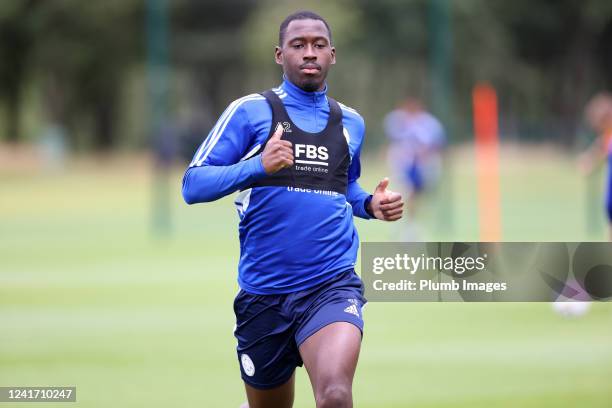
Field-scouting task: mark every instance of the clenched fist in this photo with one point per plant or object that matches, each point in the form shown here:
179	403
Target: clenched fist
278	153
386	205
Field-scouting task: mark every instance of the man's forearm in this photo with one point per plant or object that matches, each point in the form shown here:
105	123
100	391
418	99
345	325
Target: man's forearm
209	183
358	198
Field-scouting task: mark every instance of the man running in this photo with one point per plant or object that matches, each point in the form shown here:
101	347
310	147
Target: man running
293	152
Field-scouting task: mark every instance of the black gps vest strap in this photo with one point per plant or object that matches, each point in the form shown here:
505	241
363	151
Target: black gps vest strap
321	160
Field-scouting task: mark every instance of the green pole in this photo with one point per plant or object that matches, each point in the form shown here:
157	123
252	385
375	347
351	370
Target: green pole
157	78
440	58
440	62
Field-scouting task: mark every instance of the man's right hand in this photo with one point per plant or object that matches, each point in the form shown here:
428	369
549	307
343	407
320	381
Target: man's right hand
278	153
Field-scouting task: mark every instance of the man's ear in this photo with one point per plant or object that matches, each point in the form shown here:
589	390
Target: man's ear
333	54
278	55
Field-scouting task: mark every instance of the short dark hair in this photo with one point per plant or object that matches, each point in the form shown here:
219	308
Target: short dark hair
300	15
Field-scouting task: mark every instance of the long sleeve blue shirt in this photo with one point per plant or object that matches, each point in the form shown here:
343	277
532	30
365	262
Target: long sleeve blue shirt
289	240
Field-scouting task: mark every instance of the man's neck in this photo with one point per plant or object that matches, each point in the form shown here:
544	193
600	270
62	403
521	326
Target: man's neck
304	97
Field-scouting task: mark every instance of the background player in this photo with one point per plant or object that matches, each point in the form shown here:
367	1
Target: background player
416	139
294	153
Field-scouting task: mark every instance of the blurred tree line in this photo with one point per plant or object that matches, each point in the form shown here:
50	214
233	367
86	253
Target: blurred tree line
82	65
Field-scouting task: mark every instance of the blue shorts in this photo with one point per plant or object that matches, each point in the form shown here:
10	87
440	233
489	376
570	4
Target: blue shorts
414	177
270	328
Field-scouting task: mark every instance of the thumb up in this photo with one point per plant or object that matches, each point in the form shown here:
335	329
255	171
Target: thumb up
386	205
278	153
382	186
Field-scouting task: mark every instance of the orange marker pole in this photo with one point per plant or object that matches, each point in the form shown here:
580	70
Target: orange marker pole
484	101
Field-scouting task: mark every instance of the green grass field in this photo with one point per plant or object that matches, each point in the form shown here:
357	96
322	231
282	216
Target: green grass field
90	297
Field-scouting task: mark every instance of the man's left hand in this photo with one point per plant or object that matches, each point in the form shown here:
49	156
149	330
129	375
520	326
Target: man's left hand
386	205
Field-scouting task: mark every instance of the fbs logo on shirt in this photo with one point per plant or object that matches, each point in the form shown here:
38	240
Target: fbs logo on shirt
314	154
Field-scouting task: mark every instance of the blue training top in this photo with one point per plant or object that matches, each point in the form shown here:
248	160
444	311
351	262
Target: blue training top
289	240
